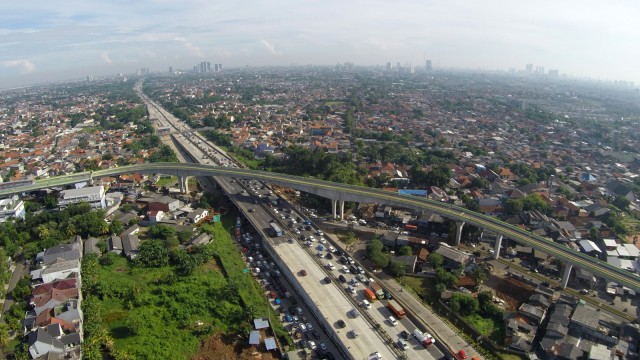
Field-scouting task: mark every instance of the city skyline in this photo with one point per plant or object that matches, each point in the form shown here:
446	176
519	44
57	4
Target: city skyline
42	42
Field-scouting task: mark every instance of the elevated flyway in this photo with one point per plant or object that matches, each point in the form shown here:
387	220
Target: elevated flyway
345	192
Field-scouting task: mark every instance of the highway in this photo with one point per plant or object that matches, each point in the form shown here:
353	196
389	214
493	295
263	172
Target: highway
328	304
357	193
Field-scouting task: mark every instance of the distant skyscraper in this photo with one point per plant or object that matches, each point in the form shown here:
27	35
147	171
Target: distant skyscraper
219	67
398	67
215	68
529	68
208	66
388	65
428	66
171	70
553	73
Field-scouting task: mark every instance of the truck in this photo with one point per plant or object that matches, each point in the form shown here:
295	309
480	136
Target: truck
377	289
370	295
396	308
425	339
275	229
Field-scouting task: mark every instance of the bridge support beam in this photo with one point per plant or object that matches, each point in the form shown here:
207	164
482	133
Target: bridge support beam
459	226
496	248
566	276
341	209
334	205
184	184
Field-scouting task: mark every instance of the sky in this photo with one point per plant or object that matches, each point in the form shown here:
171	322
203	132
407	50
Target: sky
51	40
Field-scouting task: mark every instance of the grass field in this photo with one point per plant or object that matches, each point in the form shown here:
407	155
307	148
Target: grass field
152	313
167	180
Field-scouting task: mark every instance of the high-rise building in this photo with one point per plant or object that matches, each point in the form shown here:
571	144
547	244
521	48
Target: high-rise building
215	68
428	66
170	70
553	73
208	66
219	67
398	67
388	65
529	68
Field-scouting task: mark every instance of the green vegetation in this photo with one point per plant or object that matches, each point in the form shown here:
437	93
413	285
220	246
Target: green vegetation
159	306
166	180
46	229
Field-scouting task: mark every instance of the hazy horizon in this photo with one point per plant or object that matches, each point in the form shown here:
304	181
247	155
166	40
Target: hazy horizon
43	41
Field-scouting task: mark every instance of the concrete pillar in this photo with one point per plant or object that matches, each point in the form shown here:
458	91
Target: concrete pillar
459	226
186	185
341	209
496	249
334	204
566	275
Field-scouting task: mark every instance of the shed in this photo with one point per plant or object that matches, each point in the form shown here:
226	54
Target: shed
270	343
260	323
254	338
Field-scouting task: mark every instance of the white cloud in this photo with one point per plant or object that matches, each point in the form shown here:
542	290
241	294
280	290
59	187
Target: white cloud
25	66
270	47
105	57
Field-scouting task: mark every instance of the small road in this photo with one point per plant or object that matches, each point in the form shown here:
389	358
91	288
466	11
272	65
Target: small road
15	276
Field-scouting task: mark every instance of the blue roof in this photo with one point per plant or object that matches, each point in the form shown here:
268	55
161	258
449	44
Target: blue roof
412	192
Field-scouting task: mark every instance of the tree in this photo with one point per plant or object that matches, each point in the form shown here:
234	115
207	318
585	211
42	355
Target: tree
396	268
621	203
406	251
4	334
436	260
446	278
465	303
152	253
116	227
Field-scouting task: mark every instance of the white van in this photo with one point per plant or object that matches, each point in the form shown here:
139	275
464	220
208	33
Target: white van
366	304
393	321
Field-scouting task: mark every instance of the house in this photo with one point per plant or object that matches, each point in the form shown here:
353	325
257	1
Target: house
91	246
155	216
453	258
164	203
45	340
130	245
197	215
93	195
11	208
115	244
202	239
58	270
408	261
64	252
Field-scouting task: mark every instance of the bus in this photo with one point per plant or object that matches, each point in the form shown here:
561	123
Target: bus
275	229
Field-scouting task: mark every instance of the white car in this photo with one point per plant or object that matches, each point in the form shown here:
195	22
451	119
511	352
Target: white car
393	321
303	327
312	345
332	249
323	240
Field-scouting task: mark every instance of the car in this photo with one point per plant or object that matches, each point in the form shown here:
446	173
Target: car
354	334
354	282
584	291
295	319
461	355
366	304
329	256
545	284
312	345
387	295
392	321
404	334
360	270
316	334
331	248
402	344
342	324
299	310
354	313
252	210
361	278
351	289
342	278
302	327
323	346
288	318
327	280
350	260
309	326
303	272
375	356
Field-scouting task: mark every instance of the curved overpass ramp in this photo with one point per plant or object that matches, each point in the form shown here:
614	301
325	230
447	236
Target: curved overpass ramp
345	192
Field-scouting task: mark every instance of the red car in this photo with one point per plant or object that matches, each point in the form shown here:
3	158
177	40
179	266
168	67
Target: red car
461	355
